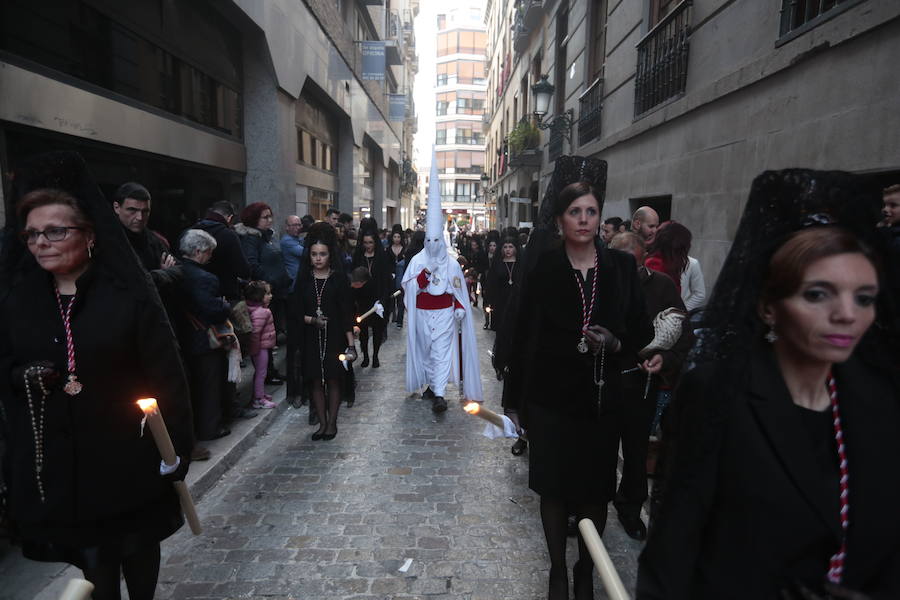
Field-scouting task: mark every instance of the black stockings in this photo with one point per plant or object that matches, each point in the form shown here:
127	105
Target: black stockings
377	338
327	420
554	517
141	570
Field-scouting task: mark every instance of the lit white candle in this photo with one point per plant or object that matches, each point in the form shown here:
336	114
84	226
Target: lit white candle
167	453
615	589
474	408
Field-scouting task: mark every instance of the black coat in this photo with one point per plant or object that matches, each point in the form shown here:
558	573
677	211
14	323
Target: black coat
228	262
749	508
264	257
101	477
381	284
201	298
547	367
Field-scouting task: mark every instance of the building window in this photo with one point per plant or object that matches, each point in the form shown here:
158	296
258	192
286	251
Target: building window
662	61
797	13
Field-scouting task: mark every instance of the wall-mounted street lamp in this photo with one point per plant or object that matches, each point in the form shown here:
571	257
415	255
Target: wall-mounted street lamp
543	92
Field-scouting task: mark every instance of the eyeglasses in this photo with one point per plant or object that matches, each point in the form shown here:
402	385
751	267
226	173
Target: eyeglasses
53	234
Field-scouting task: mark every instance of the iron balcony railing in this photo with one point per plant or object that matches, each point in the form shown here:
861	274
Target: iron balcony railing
662	61
589	113
555	145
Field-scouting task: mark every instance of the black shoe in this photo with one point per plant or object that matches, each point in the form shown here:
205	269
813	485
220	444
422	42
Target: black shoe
375	363
313	417
438	404
399	325
274	380
583	576
295	401
633	526
318	436
329	436
519	446
364	363
427	394
220	433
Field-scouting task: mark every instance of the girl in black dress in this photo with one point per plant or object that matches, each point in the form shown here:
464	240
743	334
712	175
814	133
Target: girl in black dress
581	308
327	310
397	252
371	255
500	279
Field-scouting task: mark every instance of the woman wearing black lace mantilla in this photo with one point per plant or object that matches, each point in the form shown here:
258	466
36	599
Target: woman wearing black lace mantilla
784	427
581	307
83	336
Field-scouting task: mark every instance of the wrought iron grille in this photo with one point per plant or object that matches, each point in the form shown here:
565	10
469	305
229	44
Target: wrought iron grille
663	60
590	104
795	13
555	145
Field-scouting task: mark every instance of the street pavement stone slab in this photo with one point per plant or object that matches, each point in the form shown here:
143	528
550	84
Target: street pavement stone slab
311	520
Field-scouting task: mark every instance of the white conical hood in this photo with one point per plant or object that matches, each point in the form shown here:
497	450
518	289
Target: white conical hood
434	219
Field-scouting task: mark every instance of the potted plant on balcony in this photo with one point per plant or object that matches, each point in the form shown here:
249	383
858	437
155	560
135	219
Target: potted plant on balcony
524	136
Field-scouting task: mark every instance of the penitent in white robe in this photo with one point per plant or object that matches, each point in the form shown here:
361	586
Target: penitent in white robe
433	336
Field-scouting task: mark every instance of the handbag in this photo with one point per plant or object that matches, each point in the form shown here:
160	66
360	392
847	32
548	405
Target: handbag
219	336
666	331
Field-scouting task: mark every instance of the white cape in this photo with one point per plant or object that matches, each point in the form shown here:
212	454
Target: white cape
453	282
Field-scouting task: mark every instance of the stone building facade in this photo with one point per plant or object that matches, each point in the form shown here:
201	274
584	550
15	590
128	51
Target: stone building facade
688	100
202	101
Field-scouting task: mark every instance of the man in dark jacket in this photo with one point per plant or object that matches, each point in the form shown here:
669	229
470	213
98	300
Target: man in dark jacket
228	262
132	204
639	395
229	265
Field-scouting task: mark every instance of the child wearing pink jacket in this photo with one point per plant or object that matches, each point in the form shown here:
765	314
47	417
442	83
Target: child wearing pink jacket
258	295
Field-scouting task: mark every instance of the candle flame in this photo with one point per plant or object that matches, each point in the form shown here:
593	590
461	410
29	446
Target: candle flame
472	408
359	319
342	357
148	405
488	309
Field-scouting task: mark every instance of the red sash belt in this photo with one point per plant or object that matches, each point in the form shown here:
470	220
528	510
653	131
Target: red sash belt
429	302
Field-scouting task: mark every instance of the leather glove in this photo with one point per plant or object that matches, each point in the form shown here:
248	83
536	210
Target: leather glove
459	314
595	335
47	373
178	474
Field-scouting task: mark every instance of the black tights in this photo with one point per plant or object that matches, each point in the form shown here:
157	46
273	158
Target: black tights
554	517
141	570
377	338
327	422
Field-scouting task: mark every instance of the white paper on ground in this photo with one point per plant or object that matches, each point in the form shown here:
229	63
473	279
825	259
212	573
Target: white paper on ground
406	566
493	432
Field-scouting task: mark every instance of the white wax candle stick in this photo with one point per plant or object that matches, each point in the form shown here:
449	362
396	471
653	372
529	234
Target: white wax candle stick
77	589
615	589
474	408
167	453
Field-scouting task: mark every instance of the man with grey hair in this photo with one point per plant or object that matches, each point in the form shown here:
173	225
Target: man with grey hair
645	222
639	401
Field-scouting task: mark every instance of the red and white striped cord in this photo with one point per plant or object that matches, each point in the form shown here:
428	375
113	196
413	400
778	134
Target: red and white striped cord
836	566
587	311
66	315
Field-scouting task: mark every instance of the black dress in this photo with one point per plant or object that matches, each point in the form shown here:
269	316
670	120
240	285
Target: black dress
752	495
104	496
499	282
574	439
337	305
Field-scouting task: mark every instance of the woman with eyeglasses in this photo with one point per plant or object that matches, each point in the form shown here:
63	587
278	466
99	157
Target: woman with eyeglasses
83	336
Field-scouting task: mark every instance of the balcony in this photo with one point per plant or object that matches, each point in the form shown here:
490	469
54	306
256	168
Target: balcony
663	60
590	105
520	32
534	11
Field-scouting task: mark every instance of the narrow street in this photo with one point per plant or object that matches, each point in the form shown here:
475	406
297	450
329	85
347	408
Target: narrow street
313	520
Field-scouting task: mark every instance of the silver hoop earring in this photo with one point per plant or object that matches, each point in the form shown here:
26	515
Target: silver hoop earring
771	336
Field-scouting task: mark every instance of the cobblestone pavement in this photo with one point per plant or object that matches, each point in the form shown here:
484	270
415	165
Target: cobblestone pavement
315	520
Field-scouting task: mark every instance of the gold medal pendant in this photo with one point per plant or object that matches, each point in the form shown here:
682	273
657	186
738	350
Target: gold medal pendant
582	345
73	387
